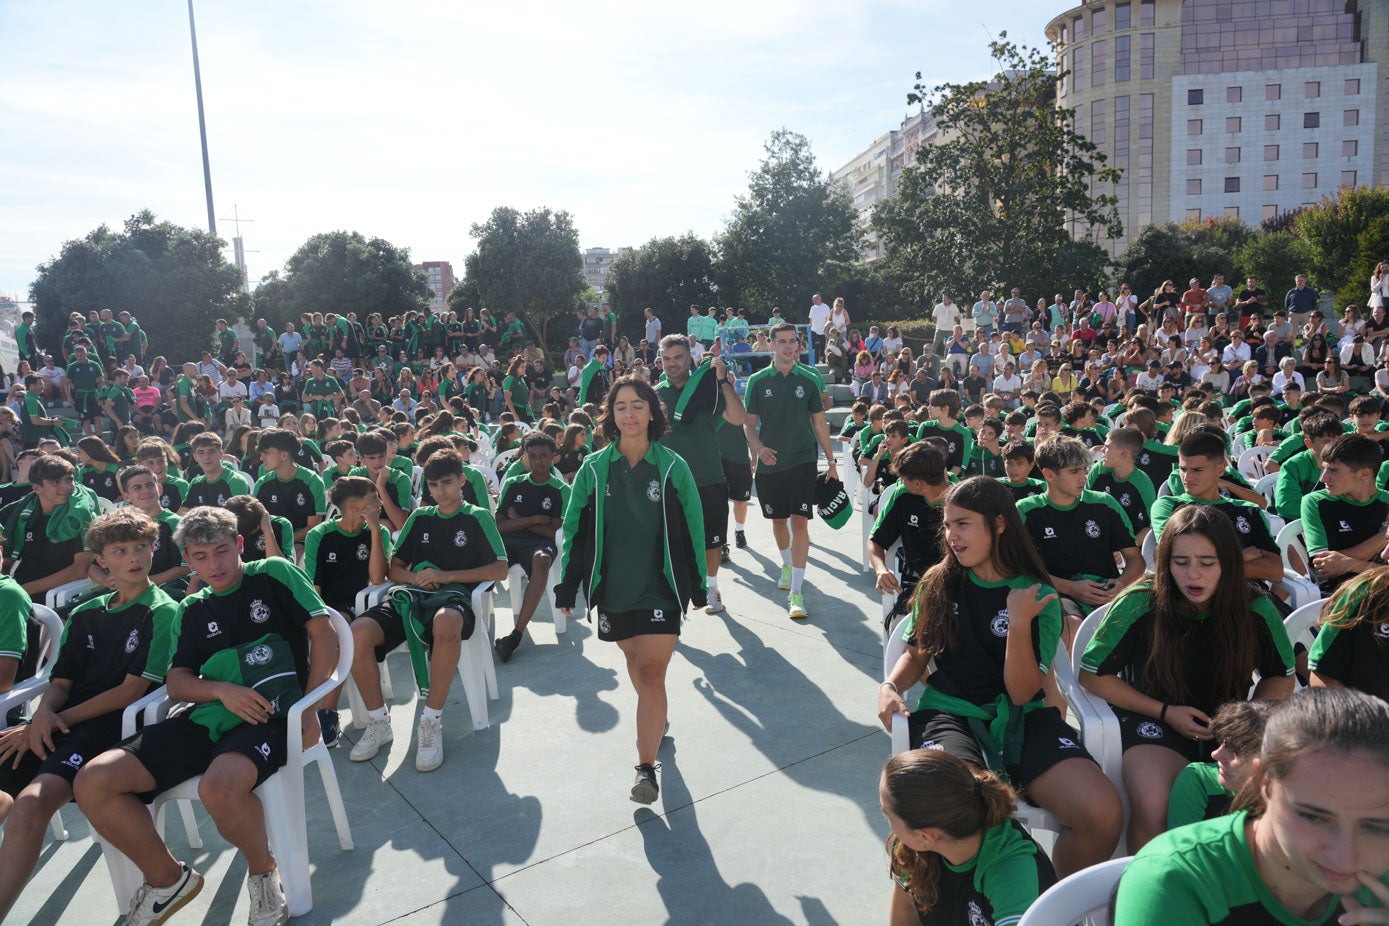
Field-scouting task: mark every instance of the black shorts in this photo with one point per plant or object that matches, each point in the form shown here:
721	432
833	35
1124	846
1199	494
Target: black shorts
713	499
1139	730
71	751
86	405
177	749
523	545
737	475
1047	740
787	492
623	625
393	628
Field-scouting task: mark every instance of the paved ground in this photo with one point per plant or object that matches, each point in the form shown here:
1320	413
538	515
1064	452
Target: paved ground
768	811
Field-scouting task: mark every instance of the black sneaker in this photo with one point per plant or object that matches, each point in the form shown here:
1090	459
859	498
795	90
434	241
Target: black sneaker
328	723
644	789
505	646
741	539
723	554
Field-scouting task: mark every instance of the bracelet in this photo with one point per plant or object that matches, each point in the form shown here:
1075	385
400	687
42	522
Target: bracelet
1162	714
889	685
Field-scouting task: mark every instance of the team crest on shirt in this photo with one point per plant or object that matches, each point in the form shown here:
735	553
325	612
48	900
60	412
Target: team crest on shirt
547	503
1092	530
1382	631
653	491
1242	524
299	499
1144	459
259	612
1125	500
460	539
132	642
260	543
999	625
363	554
260	656
800	391
1149	730
154	547
976	915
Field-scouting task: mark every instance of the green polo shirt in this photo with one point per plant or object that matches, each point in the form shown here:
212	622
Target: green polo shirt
695	435
183	389
84	376
633	515
785	404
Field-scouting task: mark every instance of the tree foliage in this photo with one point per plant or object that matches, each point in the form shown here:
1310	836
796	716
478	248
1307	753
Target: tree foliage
173	280
1274	258
792	231
667	275
343	272
528	263
989	206
1175	252
1331	231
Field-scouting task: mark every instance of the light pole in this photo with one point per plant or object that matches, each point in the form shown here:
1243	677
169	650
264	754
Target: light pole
202	123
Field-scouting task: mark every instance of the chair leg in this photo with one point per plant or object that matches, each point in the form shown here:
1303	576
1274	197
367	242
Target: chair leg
329	776
60	832
125	877
190	824
487	664
354	704
387	691
472	674
287	830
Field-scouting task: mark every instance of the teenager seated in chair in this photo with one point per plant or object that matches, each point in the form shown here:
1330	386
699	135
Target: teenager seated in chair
392	485
443	551
217	480
1205	790
288	489
1344	521
236	736
44	531
1350	650
531	509
910	511
140	491
113	649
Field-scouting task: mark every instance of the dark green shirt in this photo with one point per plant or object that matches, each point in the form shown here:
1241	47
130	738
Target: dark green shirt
632	520
695	434
785	405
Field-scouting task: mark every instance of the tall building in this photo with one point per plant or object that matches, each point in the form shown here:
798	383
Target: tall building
440	276
1243	108
596	263
873	174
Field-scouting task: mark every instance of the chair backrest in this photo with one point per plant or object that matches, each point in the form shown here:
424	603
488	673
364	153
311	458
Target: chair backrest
503	459
1292	544
1266	487
1251	462
893	650
1084	634
890	557
50	634
1164	489
1150	548
1299	624
1081	898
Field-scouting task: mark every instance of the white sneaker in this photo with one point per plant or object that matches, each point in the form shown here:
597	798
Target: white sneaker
377	734
429	744
715	604
153	905
268	904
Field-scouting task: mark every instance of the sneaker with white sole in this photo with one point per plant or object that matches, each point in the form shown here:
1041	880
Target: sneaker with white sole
153	905
715	604
645	790
785	581
796	607
268	904
429	744
377	734
740	539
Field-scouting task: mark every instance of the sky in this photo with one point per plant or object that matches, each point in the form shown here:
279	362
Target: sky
411	120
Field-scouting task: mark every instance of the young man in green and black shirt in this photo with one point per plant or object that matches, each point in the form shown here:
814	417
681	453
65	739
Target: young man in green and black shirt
226	342
530	509
945	410
112	650
1301	472
322	394
288	489
43	534
86	378
185	394
153	453
34	424
910	512
396	493
1344	523
218	480
1018	464
140	491
986	457
1119	477
443	551
117	399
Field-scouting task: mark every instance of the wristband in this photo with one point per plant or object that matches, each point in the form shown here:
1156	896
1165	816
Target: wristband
889	685
1162	714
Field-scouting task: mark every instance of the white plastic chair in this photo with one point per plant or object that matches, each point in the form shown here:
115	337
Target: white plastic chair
476	669
65	594
1299	626
888	599
1301	590
1251	462
847	468
1149	550
1266	487
503	460
1099	726
281	795
1292	544
494	487
865	500
516	583
1081	898
26	692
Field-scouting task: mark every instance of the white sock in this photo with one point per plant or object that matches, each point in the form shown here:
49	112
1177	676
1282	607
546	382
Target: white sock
738	527
786	557
797	577
713	583
381	713
431	713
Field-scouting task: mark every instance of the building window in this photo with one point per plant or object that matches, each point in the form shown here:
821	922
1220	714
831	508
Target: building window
1273	91
1309	149
1195	97
1311	120
1193	127
1099	66
1121	58
1273	122
1234	94
1233	123
1146	45
1193	157
1146	13
1351	117
1270	212
1312	89
1309	181
1193	187
1270	182
1078	28
1123	16
1270	152
1350	148
1231	184
1099	20
1193	215
1347	178
1353	86
1231	155
1232	212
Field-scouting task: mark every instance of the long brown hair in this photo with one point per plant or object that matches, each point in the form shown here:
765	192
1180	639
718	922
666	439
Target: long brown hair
1362	600
1164	676
1011	549
932	789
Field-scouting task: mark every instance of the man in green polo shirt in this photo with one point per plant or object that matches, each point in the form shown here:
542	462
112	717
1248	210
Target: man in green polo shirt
34	424
28	345
185	401
594	381
137	342
514	336
111	337
85	375
697	399
784	422
117	399
226	342
322	394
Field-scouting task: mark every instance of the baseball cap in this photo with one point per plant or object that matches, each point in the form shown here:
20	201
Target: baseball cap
832	501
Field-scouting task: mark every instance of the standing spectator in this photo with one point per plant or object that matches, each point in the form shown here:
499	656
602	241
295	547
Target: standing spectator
1015	312
819	318
653	330
1300	301
1127	304
1379	286
1195	299
590	331
1219	297
839	316
946	316
985	313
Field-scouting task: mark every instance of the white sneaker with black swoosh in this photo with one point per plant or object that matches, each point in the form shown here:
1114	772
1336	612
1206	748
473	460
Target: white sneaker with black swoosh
153	905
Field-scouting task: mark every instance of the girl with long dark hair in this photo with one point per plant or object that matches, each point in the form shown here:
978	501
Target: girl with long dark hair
99	467
990	622
1173	648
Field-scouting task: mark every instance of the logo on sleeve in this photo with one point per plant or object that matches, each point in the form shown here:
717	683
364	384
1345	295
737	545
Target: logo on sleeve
132	642
259	656
259	612
1092	530
999	625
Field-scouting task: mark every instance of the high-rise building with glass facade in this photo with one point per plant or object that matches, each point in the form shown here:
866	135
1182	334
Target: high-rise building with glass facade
1243	108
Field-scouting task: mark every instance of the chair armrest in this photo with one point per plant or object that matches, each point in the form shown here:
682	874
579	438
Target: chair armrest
22	693
159	704
901	734
131	714
1301	589
372	595
60	595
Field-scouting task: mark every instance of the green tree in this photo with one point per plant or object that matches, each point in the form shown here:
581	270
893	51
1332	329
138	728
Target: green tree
1372	246
989	207
343	272
789	234
1199	249
528	263
173	280
1331	230
667	275
1274	258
